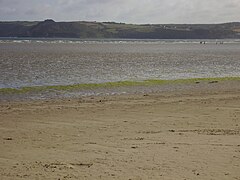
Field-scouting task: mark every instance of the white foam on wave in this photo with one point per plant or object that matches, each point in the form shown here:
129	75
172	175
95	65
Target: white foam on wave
122	41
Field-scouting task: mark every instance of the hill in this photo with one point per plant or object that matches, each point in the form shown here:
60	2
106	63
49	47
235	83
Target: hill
83	29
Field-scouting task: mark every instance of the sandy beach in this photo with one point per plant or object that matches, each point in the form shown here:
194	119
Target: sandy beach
168	135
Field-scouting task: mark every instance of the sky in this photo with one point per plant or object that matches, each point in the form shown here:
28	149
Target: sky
127	11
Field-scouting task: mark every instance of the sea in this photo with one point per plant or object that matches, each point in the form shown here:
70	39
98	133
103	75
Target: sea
43	62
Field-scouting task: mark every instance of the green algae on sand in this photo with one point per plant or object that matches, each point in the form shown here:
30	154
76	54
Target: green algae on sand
112	84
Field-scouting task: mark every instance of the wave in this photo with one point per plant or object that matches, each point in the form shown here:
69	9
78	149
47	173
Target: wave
119	41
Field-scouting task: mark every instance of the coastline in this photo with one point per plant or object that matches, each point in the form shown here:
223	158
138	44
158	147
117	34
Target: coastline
185	131
116	88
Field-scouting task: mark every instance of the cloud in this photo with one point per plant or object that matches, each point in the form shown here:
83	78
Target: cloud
7	10
129	11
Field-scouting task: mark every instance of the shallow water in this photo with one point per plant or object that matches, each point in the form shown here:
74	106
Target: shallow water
63	62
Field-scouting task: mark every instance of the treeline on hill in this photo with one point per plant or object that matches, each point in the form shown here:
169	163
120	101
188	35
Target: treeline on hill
83	29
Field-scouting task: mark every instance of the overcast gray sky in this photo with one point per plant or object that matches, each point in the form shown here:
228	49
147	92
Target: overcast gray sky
128	11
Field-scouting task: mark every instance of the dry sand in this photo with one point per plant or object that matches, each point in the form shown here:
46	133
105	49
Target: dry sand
187	135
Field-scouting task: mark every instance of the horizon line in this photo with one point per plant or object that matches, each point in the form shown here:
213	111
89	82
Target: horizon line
92	21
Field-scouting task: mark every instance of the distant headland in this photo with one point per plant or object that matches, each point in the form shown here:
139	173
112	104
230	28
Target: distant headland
83	29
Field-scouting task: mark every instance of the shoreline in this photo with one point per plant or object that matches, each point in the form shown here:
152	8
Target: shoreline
115	84
118	88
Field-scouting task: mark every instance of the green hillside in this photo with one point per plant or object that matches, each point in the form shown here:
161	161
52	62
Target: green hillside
82	29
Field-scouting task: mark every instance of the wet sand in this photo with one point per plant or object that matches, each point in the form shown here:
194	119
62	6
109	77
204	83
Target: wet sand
168	135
